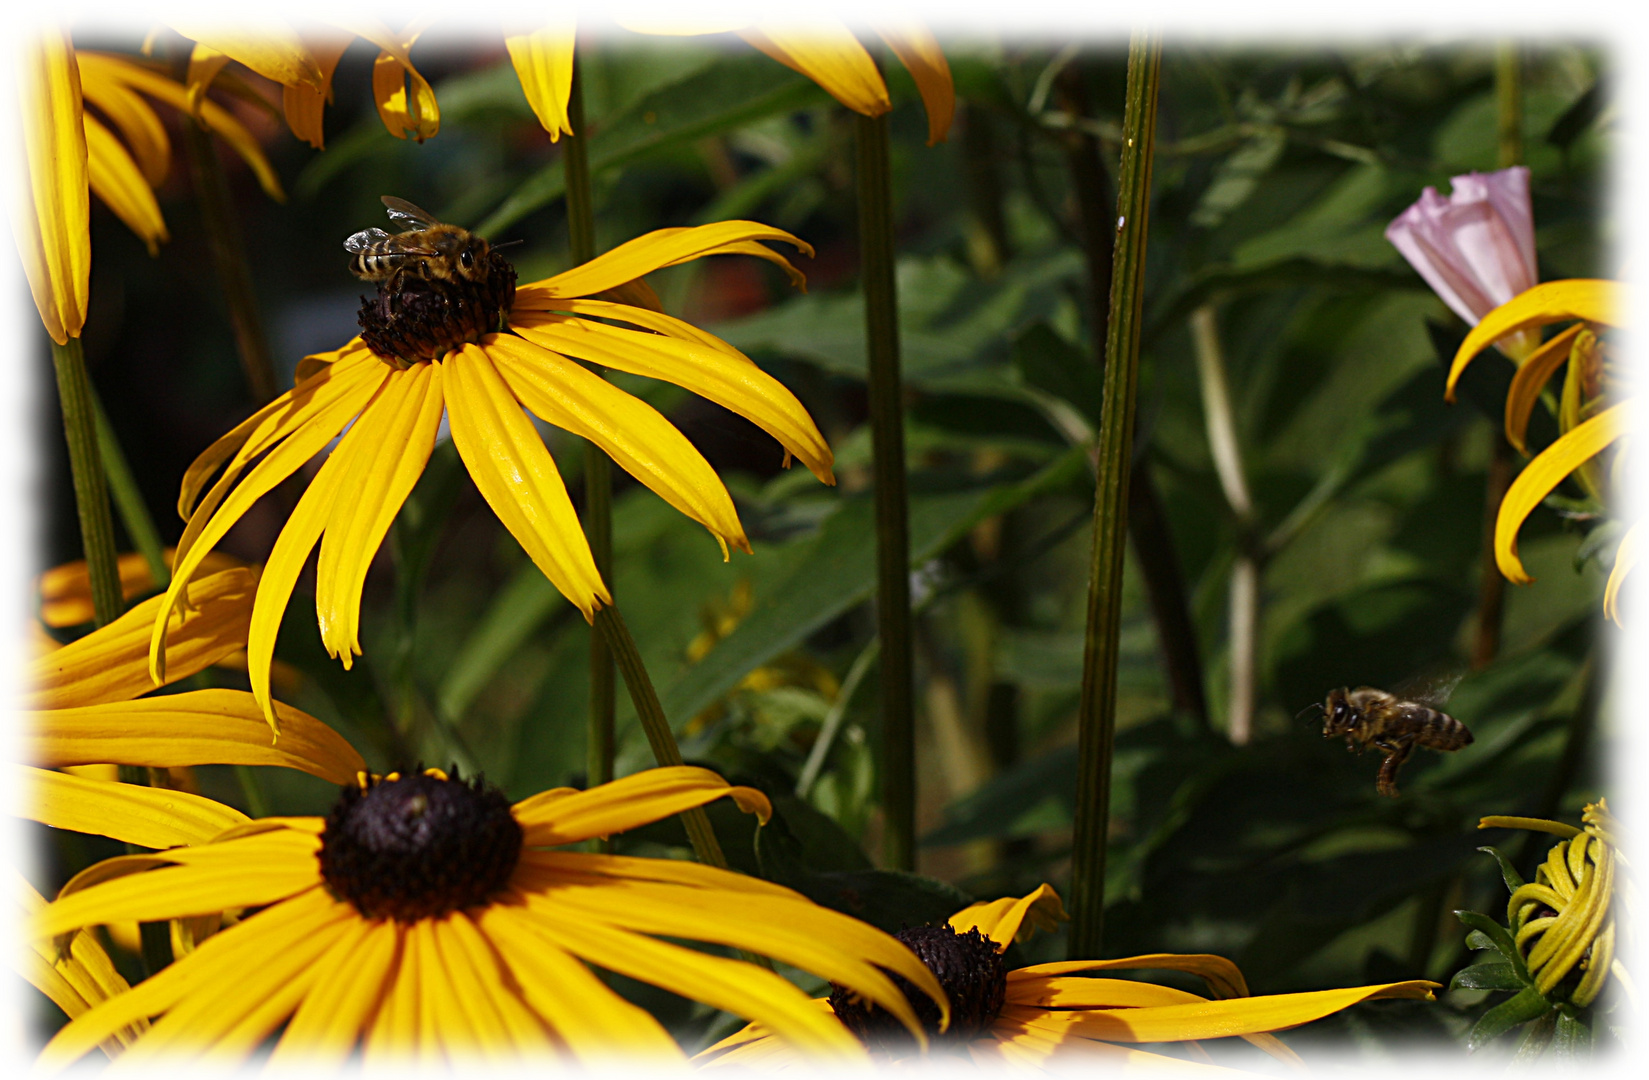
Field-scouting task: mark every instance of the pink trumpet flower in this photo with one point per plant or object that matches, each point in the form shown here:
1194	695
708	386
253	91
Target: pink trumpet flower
1475	248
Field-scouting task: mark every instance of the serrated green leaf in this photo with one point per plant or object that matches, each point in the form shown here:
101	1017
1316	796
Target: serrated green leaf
1508	873
1527	1005
1494	975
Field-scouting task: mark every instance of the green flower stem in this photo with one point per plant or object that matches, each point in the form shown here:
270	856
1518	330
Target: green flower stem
134	512
223	238
91	494
611	626
876	248
598	471
1096	723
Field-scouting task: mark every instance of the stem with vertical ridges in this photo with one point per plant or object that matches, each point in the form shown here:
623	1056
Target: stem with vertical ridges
91	493
1097	716
876	254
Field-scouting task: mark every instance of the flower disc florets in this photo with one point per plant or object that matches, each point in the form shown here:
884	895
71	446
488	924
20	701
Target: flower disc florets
968	966
418	846
416	318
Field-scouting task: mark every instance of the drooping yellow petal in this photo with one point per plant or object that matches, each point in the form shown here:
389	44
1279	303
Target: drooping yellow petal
543	59
148	817
826	52
1531	379
396	436
1224	979
348	983
75	981
1626	557
139	125
1586	299
553	818
201	727
1065	992
734	247
267	46
117	180
917	49
204	64
53	229
66	590
415	114
1001	920
722	375
518	478
649	252
630	431
1546	471
111	664
305	106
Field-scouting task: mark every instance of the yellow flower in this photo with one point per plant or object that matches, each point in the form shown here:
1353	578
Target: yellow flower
1589	419
393	403
426	917
1021	1019
822	48
66	591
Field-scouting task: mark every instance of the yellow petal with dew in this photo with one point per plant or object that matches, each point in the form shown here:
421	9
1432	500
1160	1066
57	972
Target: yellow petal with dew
1224	979
1530	379
201	727
628	803
117	180
53	230
76	981
630	431
267	46
543	59
917	49
826	52
1002	920
518	478
1626	557
140	127
146	816
305	106
111	664
740	988
396	435
733	382
1546	471
204	64
348	983
214	117
651	251
1587	299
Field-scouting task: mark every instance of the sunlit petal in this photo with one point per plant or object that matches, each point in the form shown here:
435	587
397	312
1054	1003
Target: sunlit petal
267	46
403	113
826	52
1531	378
75	981
53	232
1000	920
145	816
917	49
1589	300
649	252
1626	557
204	65
305	106
117	180
139	125
543	59
555	818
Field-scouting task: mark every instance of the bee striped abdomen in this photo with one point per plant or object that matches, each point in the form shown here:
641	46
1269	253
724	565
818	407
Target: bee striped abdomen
1440	731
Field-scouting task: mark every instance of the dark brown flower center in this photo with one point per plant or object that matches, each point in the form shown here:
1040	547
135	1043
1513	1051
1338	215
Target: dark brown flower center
417	846
417	318
968	967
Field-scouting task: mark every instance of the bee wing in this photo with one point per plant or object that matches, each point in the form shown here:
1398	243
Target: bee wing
1431	688
364	239
404	213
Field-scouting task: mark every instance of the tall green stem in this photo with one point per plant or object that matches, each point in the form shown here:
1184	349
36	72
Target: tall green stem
598	471
128	497
91	493
610	625
1097	717
887	431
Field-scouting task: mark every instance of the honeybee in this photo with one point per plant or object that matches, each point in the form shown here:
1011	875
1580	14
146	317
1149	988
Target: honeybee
1369	717
427	248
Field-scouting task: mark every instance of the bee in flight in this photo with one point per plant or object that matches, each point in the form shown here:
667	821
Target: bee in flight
1369	717
427	248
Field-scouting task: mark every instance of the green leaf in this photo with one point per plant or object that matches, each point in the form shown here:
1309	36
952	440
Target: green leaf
1050	363
1508	873
516	612
1573	1037
1527	1005
1494	975
1236	177
1577	117
1536	1038
1499	938
1478	941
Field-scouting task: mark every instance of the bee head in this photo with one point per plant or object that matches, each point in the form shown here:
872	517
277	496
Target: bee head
465	254
1338	715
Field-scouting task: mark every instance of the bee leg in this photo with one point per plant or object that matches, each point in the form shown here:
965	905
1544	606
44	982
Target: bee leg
1397	752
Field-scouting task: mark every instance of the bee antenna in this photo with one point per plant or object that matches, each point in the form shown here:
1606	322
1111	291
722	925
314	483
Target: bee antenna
508	243
1314	705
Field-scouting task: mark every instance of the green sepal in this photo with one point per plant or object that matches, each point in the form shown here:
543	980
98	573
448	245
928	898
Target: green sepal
1494	975
1498	938
1508	873
1573	1038
1527	1005
1537	1037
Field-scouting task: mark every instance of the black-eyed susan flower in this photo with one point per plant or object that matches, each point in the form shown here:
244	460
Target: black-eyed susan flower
427	918
1026	1018
439	348
1592	414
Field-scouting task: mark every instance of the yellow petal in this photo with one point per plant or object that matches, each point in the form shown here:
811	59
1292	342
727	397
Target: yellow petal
403	114
1626	557
1063	992
1000	920
826	52
116	179
53	233
518	478
397	434
1223	977
649	252
628	803
348	982
1546	471
201	727
145	816
1589	300
267	46
77	981
1530	379
721	375
66	590
204	65
543	60
917	49
139	126
630	292
111	664
629	430
305	106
